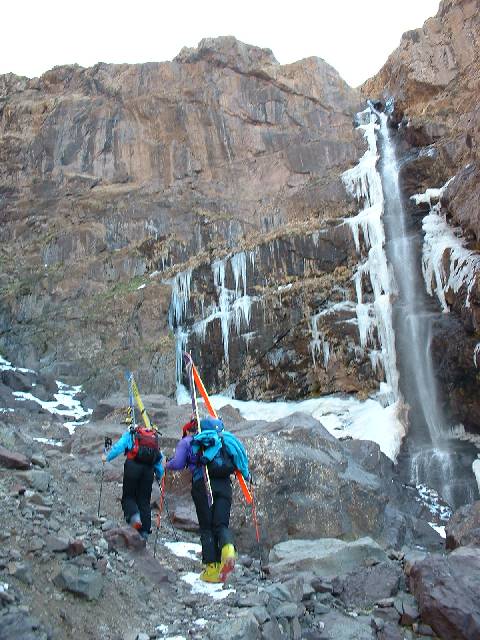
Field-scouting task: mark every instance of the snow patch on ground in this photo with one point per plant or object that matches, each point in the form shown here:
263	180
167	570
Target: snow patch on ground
52	443
440	530
214	590
65	403
5	365
185	549
432	500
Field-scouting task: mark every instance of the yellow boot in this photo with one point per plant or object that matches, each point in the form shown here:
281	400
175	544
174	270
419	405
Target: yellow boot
227	564
211	572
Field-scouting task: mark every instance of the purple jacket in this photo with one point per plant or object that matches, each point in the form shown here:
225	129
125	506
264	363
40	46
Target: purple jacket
184	457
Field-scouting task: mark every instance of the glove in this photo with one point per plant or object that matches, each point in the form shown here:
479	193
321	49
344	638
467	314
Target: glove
104	457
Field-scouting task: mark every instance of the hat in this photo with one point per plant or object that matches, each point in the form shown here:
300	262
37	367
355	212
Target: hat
211	424
189	426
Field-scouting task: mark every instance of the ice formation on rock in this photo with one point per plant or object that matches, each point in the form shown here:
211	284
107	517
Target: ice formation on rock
440	241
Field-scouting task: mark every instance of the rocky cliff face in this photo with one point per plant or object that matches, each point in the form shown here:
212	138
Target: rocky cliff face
112	173
434	76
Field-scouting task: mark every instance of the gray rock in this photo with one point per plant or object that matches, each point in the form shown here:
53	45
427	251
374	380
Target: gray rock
342	627
365	586
288	591
284	609
108	525
18	625
261	614
36	544
320	609
271	630
81	581
56	545
22	571
244	627
328	557
38	480
407	608
254	599
39	460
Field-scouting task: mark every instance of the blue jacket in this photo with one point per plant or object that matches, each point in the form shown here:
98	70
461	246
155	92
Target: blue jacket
124	444
211	442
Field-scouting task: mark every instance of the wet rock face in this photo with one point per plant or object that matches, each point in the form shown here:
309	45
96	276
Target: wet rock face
110	173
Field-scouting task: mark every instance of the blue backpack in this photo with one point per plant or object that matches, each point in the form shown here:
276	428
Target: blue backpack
219	450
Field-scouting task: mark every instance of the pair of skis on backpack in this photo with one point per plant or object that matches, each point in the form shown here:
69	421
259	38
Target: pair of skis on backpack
195	382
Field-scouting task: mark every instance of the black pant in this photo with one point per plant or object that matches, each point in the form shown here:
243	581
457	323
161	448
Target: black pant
214	520
137	491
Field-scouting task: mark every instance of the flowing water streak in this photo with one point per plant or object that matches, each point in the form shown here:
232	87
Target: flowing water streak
414	323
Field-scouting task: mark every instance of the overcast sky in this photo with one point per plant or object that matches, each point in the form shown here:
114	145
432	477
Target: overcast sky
355	36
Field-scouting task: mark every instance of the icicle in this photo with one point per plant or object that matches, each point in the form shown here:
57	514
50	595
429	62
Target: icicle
375	359
318	345
239	268
218	268
180	297
366	323
476	353
181	340
248	337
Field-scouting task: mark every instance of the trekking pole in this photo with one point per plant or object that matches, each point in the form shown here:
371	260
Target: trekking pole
159	514
170	519
107	445
257	528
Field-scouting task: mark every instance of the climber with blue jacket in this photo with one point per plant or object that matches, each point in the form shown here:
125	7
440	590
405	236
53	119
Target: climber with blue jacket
143	460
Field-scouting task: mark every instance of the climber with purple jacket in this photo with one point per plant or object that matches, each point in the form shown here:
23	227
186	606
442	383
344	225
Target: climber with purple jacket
218	552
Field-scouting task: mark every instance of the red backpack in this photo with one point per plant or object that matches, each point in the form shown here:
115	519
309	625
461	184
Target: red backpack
146	449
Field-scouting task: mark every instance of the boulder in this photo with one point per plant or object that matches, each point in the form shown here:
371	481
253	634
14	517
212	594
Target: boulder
365	586
464	527
244	627
13	460
326	557
448	593
81	581
320	488
38	480
17	380
339	626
